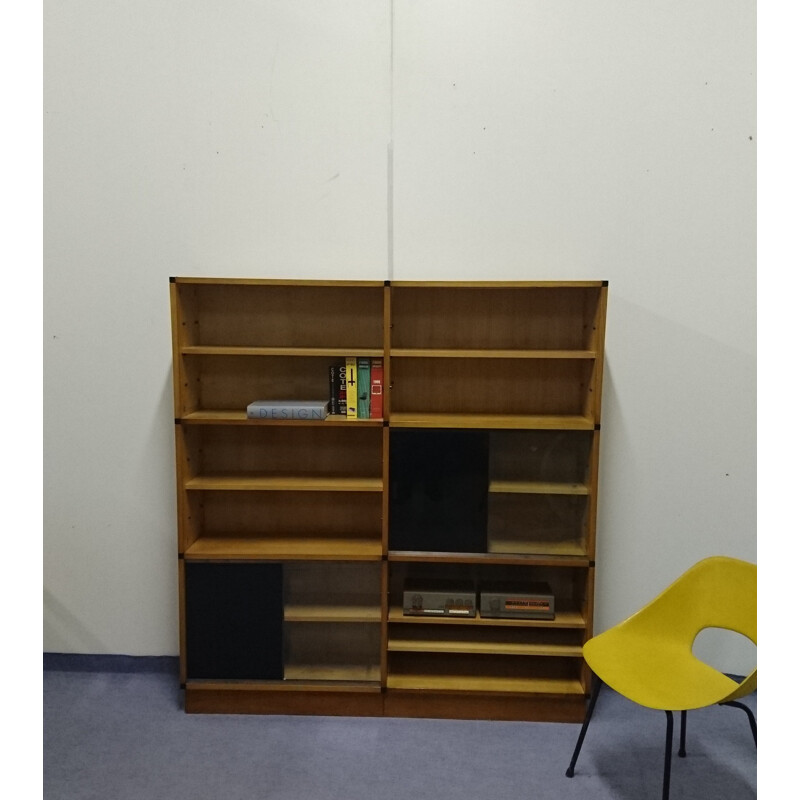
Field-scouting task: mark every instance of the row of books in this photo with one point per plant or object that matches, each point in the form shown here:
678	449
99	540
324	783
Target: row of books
356	387
355	391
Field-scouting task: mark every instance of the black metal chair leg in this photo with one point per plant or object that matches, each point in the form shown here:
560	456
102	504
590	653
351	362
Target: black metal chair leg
682	750
750	717
596	683
667	758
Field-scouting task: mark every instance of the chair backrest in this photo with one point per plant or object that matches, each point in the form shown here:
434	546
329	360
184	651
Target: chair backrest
717	592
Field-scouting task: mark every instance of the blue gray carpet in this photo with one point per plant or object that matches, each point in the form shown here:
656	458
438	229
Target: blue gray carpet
115	730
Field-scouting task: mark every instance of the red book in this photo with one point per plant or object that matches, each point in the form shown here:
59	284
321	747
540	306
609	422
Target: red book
376	388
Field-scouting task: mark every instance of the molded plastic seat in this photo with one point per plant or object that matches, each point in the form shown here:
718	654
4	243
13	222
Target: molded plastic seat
648	657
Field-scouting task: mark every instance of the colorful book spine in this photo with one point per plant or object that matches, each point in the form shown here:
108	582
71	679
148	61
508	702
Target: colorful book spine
351	368
288	409
376	388
363	388
342	388
337	387
333	388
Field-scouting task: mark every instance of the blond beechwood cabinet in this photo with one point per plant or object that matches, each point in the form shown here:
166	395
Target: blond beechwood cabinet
295	538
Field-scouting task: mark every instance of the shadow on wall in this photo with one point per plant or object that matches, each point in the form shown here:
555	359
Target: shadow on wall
75	617
162	441
677	473
64	631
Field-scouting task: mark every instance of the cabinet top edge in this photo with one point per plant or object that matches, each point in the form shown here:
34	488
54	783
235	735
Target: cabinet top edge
397	284
500	284
274	282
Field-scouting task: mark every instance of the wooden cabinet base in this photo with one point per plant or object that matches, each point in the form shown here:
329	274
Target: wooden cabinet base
209	700
205	699
469	705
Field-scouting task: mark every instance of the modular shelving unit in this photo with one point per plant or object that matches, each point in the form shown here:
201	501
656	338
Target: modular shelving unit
295	537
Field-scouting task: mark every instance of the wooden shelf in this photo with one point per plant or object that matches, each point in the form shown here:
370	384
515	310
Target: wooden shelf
570	549
410	419
372	686
483	683
431	352
333	352
577	559
334	612
406	420
265	483
232	417
565	619
537	487
332	672
329	548
408	640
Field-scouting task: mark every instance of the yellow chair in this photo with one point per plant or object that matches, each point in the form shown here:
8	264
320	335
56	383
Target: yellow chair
648	658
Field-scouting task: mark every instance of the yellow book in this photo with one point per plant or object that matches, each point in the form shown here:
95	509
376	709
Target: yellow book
351	367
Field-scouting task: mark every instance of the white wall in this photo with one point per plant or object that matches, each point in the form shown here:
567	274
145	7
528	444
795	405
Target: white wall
548	139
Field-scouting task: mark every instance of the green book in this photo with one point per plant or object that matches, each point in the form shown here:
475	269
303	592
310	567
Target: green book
363	388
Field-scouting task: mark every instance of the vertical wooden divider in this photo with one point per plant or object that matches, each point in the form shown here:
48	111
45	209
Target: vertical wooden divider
387	394
598	345
588	615
182	618
178	379
591	511
387	350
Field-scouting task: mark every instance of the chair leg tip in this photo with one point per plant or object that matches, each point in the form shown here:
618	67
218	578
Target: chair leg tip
570	772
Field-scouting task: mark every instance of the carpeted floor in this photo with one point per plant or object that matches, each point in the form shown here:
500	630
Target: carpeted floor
121	734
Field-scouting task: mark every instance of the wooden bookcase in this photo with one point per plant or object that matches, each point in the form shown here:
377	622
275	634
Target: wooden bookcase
295	538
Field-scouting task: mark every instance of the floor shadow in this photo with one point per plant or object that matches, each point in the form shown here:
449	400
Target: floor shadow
638	773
